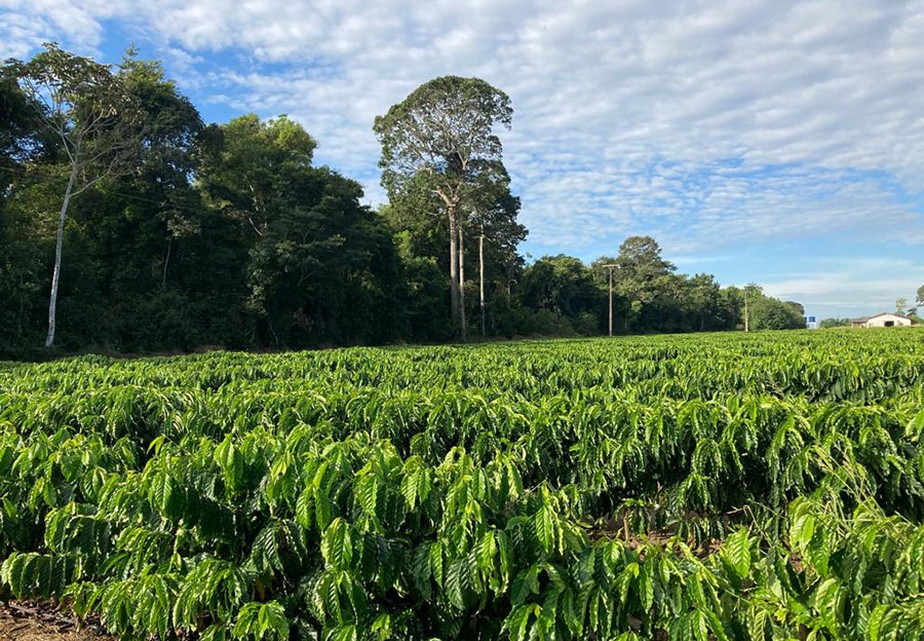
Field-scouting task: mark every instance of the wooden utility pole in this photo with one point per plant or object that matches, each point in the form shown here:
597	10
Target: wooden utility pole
611	267
481	279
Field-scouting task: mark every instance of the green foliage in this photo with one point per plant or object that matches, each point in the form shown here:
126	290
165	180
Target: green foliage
443	129
96	121
262	621
765	486
181	236
263	249
828	323
641	273
320	266
441	155
423	312
706	487
559	295
560	284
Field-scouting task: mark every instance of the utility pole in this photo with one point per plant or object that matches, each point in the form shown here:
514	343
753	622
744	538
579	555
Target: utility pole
611	267
746	328
481	279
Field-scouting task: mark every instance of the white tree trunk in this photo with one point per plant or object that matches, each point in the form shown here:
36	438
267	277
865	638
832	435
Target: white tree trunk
56	274
453	266
484	331
461	283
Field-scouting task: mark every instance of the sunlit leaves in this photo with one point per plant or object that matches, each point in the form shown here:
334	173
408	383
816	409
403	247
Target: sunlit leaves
262	621
337	544
668	488
736	553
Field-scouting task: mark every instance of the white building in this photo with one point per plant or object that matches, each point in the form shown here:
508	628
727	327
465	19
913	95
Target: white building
885	319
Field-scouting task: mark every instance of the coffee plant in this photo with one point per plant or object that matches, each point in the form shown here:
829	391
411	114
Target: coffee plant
765	487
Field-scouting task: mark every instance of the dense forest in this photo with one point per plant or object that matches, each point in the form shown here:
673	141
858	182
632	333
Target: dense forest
128	224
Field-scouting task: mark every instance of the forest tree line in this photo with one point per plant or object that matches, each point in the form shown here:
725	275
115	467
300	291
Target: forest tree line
129	224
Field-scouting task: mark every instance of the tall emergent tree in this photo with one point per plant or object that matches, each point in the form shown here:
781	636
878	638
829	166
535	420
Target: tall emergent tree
88	109
439	144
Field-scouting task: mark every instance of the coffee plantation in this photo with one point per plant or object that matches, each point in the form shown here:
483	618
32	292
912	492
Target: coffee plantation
761	486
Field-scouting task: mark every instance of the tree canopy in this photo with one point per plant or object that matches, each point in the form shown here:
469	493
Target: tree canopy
133	226
439	150
94	120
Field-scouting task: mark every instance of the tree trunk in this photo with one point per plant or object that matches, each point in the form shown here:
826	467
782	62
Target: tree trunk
461	283
56	274
453	267
484	331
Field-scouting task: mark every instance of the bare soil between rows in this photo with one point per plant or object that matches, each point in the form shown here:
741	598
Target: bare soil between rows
29	621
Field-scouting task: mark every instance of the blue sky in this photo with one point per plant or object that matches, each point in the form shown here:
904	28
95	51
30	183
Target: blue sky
760	141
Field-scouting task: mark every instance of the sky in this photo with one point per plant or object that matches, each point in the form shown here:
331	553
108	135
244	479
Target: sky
769	141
